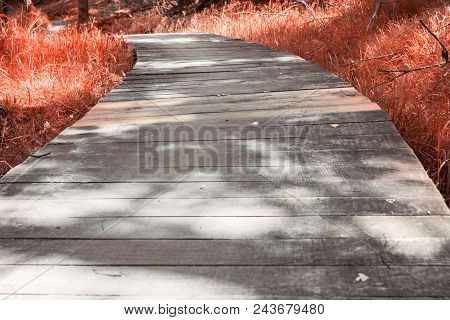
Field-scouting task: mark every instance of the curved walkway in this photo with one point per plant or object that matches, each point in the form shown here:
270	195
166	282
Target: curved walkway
222	169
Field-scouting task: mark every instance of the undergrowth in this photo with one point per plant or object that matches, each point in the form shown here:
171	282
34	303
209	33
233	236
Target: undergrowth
49	80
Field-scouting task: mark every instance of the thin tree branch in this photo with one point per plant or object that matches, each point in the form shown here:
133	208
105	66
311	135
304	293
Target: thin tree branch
444	49
421	68
372	58
374	15
415	69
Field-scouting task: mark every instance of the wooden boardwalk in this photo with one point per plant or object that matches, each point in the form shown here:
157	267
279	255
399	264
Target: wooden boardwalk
222	169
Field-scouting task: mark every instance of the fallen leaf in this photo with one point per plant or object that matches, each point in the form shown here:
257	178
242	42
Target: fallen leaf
335	125
361	277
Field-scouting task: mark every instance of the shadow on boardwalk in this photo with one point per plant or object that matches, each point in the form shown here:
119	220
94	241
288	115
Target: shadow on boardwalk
224	191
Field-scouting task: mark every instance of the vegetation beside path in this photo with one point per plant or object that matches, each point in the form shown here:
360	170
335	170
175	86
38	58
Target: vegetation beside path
49	80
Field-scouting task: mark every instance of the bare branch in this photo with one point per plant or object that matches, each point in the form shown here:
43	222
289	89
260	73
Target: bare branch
444	49
374	15
372	58
415	69
421	68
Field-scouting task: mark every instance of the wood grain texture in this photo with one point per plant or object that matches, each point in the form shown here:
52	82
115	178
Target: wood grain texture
229	282
229	228
221	169
223	207
298	252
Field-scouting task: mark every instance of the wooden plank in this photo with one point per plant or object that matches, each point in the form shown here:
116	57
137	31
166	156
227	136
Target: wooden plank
268	145
248	130
231	228
230	75
205	190
224	207
226	79
229	282
201	47
315	158
339	96
205	63
228	160
238	119
255	131
211	55
216	69
205	66
204	51
205	90
303	252
296	82
173	47
164	107
162	171
92	169
127	131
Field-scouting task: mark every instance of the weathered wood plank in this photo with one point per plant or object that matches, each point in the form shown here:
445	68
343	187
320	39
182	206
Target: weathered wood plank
214	56
282	60
306	252
264	81
205	90
298	83
127	131
231	228
317	103
239	120
257	130
230	282
204	190
231	159
227	77
268	144
297	98
68	153
94	170
216	69
158	108
224	207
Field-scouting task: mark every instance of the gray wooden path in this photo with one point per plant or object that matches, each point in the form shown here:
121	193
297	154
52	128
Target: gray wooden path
222	169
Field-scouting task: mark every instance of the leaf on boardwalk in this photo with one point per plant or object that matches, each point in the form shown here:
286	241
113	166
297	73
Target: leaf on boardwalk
361	277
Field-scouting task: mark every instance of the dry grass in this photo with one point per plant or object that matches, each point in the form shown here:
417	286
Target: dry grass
336	38
48	81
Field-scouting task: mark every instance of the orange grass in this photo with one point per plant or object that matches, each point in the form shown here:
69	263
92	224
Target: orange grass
48	81
336	38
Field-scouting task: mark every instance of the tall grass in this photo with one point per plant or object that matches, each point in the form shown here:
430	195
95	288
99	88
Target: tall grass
335	37
49	80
